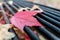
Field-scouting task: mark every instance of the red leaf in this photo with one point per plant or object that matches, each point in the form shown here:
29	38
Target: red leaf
22	18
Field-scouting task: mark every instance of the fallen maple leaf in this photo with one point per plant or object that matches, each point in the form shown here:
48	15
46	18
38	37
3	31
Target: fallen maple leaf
22	18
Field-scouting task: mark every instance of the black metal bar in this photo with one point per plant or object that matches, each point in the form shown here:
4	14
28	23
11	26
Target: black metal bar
9	8
16	4
52	16
46	33
19	3
8	22
51	9
56	10
49	25
31	33
51	20
25	3
12	6
52	13
46	10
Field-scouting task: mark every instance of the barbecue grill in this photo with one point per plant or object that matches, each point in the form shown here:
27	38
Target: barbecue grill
50	18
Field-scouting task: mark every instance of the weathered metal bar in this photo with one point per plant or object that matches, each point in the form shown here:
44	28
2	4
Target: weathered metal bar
51	8
9	8
53	13
49	19
52	16
46	33
30	33
19	4
12	6
16	4
49	25
24	3
10	3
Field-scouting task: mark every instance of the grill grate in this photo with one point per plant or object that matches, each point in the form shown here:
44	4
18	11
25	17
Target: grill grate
50	18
